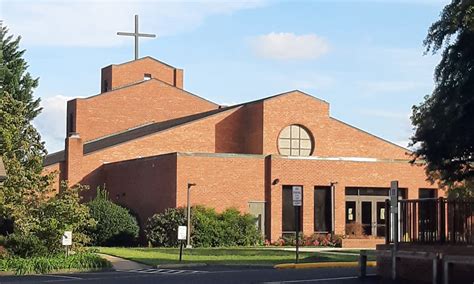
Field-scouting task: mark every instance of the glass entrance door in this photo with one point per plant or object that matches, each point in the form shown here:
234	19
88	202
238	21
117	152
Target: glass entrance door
366	217
380	216
370	213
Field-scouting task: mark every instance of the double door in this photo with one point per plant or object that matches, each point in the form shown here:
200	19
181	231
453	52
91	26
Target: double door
369	212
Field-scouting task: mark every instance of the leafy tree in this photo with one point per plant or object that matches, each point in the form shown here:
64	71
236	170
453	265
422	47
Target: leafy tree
65	212
61	212
14	78
444	122
115	224
22	152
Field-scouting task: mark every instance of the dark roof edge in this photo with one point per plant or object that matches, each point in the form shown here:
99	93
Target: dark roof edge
148	129
143	58
54	158
373	135
145	81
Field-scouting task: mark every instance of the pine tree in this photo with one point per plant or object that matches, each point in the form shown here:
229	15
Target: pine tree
22	152
20	144
14	78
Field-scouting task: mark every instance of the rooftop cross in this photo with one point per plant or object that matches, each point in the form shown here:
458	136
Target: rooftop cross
136	34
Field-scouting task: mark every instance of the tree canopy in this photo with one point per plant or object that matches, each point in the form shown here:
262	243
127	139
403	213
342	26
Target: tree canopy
444	122
14	78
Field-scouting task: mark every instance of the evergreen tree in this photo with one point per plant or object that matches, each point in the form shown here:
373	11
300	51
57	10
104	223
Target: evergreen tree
444	122
14	78
22	152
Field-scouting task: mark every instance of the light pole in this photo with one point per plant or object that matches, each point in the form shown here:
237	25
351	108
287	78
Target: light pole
333	199
188	239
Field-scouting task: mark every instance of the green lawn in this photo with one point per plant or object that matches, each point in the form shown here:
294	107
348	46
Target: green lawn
247	256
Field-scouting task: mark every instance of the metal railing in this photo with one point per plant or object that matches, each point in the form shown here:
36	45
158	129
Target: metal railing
434	220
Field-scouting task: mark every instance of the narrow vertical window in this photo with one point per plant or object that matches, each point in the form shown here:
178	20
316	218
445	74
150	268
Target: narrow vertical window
322	209
288	211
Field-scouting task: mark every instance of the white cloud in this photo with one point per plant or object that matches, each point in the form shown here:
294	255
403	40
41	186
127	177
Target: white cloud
51	123
95	23
289	46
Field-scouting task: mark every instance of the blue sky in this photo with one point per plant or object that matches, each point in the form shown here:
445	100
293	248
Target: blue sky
364	57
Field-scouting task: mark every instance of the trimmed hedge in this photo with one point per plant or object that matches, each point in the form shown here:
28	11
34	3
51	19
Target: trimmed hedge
209	228
115	225
47	264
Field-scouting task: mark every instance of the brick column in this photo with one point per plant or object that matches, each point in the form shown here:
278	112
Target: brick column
74	154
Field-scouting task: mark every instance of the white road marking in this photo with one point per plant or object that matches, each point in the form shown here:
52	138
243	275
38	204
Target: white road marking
162	271
316	280
61	276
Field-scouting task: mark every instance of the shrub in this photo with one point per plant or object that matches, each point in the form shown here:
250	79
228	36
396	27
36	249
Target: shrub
355	230
25	245
316	239
162	229
64	212
209	228
47	264
115	225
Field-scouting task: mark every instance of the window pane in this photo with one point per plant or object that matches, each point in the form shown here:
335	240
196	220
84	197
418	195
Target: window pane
322	209
285	133
305	152
288	210
295	144
284	143
304	134
426	193
295	131
295	152
285	152
305	144
350	211
352	191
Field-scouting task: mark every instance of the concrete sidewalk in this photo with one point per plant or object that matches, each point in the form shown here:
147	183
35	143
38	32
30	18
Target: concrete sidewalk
123	264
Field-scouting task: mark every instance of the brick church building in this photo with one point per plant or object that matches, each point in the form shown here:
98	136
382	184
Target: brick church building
145	138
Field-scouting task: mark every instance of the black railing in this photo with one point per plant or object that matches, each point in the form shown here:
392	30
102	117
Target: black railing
434	220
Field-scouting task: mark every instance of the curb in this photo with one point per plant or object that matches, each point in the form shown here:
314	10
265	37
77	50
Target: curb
181	265
322	265
59	271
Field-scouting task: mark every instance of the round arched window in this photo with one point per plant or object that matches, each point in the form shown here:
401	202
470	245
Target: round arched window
295	140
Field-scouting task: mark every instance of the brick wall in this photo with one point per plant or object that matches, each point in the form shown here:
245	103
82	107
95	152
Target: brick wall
131	72
332	138
145	186
310	173
221	181
122	109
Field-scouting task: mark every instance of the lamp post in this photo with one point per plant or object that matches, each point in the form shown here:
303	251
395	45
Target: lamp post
188	239
333	199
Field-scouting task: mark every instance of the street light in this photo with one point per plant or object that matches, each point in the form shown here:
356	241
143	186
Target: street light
188	239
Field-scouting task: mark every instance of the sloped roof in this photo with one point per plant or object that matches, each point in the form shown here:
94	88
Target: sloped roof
152	128
3	173
54	158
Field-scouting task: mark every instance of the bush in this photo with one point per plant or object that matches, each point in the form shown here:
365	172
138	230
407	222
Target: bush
355	230
316	239
162	229
52	263
209	228
63	212
25	246
115	225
